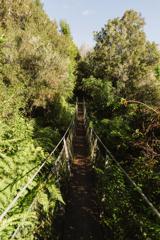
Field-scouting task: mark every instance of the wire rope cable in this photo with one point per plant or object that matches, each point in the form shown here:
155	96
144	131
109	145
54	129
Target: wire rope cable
22	190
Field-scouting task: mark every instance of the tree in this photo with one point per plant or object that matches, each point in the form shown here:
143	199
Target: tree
123	56
125	65
65	29
37	65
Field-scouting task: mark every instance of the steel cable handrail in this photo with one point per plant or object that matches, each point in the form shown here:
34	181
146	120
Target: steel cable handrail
18	227
138	189
145	198
22	190
53	170
24	175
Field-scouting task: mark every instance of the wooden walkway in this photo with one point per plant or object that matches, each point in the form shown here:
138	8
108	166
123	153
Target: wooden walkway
81	221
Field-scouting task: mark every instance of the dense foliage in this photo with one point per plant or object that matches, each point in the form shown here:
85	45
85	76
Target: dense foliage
120	80
37	64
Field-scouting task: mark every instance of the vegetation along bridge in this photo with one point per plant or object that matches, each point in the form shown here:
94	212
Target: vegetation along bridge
79	160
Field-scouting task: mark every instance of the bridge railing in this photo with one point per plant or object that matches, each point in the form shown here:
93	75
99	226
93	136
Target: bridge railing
104	162
56	165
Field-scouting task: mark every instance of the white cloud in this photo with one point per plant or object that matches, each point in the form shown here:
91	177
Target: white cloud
88	12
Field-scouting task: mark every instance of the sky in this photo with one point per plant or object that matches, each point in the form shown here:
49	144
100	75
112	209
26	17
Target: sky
87	16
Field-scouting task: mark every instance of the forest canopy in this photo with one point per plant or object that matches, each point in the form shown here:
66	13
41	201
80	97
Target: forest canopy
41	74
37	65
120	81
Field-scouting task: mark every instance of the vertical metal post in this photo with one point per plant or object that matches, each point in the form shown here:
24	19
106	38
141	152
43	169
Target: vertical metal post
84	110
76	113
90	136
67	155
94	148
84	113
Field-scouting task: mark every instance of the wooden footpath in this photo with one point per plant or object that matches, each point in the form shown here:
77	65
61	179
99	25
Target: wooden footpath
82	217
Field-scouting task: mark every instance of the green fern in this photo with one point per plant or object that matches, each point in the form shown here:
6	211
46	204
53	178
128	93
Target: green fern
55	193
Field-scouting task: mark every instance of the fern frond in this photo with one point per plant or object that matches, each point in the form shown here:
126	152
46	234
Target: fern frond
55	193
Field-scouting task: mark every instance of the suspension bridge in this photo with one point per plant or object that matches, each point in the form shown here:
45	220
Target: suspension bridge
79	151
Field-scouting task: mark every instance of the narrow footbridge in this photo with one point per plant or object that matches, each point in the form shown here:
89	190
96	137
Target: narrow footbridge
75	156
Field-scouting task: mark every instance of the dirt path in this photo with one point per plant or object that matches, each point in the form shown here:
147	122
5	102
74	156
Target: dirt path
81	216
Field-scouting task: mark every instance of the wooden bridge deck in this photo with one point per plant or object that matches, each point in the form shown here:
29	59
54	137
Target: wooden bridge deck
81	222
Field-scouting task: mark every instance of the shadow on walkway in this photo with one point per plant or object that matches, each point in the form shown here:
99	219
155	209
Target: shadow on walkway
82	217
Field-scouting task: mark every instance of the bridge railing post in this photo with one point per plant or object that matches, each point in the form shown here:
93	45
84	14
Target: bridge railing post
68	148
93	150
76	109
67	155
84	112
